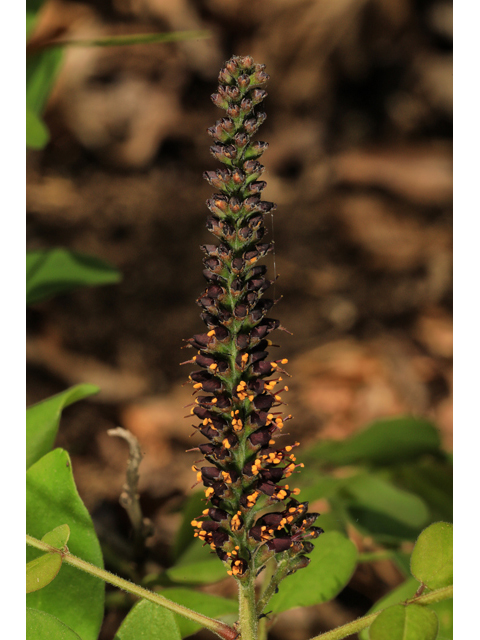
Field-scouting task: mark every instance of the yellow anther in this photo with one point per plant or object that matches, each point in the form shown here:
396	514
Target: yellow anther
226	444
286	388
208	492
213	366
284	361
288	448
198	385
214	400
205	512
211	333
296	492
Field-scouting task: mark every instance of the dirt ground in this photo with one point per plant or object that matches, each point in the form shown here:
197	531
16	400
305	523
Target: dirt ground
360	166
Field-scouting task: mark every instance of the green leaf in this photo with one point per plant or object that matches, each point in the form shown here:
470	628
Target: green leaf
58	537
380	509
444	611
400	622
402	560
42	571
74	597
42	70
432	480
432	556
331	567
403	592
43	419
315	485
37	132
54	271
43	626
32	9
212	606
148	621
192	509
205	571
384	442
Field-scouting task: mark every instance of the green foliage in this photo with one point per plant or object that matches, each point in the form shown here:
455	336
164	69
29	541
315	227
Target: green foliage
332	564
43	420
431	479
43	626
74	597
148	621
392	440
432	557
405	623
54	271
389	481
380	509
196	566
191	509
444	611
42	570
212	606
42	71
58	537
37	132
32	7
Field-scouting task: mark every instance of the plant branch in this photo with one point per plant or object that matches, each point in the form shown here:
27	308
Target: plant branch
221	629
262	623
129	499
271	588
362	623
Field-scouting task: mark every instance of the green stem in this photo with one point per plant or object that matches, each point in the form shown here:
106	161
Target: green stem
262	623
270	589
362	623
247	613
220	628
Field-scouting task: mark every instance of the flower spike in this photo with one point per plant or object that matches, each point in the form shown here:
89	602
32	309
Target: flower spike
237	388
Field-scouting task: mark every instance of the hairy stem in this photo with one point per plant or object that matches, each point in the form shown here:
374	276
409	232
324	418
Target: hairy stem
247	609
362	623
220	628
271	586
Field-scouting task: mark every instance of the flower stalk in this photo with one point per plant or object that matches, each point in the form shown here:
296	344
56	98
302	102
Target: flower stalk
239	387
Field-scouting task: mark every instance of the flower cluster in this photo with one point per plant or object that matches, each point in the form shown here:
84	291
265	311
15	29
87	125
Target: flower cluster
239	387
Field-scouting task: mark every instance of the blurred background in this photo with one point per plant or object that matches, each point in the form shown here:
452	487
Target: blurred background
360	165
